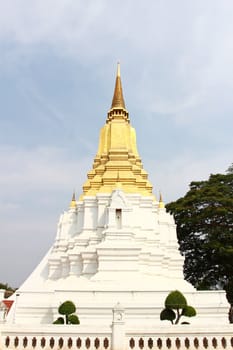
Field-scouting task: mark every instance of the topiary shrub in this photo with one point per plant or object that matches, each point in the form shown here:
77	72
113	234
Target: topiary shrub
73	319
167	314
67	309
176	307
59	320
189	311
175	300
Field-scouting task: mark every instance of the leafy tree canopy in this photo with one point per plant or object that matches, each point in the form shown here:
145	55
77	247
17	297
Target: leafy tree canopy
230	169
6	287
204	218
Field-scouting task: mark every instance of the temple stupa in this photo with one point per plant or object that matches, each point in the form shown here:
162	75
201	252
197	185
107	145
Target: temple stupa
116	244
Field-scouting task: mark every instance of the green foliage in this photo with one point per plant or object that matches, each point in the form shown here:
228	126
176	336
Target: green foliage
167	314
73	319
67	309
59	320
189	311
175	300
230	169
204	218
6	287
229	296
176	307
229	291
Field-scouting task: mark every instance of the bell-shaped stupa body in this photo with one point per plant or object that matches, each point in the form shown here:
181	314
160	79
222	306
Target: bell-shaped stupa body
115	244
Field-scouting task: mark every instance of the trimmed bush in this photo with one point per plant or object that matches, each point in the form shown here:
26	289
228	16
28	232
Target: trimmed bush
189	311
176	307
175	300
67	309
73	319
60	320
167	314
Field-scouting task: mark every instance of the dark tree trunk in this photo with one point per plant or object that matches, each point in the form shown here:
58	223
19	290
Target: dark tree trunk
230	314
67	321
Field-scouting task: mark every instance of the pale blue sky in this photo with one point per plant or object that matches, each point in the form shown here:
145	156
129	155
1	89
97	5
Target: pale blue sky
57	72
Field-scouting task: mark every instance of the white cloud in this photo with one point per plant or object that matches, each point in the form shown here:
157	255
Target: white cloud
36	186
173	176
180	52
32	170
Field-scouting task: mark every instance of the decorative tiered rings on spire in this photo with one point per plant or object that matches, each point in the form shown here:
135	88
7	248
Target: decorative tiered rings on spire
118	110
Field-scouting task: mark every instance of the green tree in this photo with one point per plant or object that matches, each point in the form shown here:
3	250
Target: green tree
6	287
175	307
230	169
8	290
204	218
229	296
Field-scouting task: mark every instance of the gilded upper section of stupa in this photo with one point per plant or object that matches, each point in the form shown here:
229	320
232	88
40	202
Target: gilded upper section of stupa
117	162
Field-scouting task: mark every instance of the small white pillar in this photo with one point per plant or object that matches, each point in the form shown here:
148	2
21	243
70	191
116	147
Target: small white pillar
15	306
118	328
2	293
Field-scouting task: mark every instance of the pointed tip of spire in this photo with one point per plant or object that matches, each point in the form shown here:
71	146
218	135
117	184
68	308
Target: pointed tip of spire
160	196
161	203
118	69
73	203
118	99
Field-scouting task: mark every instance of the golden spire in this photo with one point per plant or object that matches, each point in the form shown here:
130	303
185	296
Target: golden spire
73	203
118	99
117	162
161	203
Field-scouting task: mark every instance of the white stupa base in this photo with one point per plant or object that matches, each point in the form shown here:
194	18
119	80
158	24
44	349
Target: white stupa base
126	260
